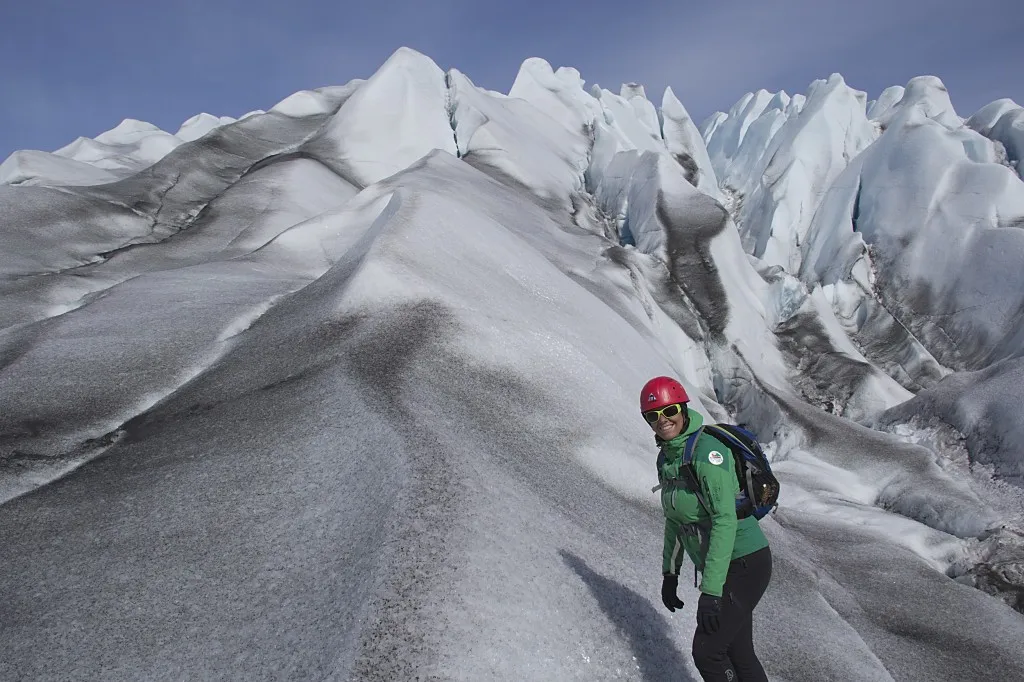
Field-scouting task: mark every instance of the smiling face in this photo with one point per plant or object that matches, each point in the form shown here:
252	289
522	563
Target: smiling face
665	426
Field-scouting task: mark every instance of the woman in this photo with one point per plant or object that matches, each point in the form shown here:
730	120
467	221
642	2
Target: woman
699	502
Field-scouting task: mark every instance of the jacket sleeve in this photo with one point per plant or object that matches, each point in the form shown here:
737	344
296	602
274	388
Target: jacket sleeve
673	555
720	487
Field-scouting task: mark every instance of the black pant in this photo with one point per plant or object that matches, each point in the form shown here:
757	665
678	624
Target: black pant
728	655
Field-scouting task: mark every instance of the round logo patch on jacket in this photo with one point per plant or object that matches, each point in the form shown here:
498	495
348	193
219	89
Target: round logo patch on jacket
715	457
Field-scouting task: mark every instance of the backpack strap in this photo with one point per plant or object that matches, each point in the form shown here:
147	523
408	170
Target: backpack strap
743	473
699	529
691	445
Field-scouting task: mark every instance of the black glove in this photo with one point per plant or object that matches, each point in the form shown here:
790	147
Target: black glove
669	584
709	608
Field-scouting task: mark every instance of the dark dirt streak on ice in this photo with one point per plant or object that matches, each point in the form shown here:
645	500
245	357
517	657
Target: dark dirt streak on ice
690	169
886	343
206	167
691	265
675	302
904	299
827	377
398	640
950	336
666	293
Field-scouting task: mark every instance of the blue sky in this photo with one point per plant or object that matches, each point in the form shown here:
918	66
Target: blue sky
76	68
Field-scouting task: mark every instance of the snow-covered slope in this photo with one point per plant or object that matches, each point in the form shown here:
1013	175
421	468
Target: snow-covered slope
346	389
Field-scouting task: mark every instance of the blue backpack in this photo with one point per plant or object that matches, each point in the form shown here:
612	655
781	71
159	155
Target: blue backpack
759	489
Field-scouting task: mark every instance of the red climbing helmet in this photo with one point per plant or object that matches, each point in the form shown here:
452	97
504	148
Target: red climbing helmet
662	391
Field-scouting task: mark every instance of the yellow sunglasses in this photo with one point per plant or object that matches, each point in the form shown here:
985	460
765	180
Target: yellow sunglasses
669	411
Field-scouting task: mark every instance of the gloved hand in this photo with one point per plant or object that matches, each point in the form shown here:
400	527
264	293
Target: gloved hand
669	583
709	608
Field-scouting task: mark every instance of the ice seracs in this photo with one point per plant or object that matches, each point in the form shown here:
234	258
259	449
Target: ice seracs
804	156
931	204
730	129
904	240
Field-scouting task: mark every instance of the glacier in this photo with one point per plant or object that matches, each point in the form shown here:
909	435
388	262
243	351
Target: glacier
346	388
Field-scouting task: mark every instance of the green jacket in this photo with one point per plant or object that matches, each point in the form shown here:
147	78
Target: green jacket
712	538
